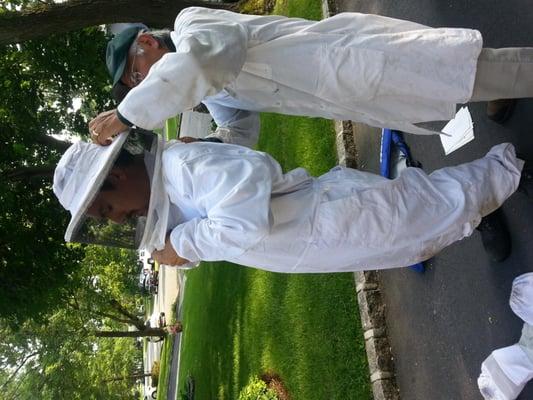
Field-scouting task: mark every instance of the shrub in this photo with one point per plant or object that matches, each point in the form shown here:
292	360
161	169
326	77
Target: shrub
257	389
155	373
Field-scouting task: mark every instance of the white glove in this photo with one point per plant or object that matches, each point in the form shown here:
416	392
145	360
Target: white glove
505	373
521	300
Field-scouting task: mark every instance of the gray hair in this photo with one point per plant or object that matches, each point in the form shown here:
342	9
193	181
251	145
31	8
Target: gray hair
163	37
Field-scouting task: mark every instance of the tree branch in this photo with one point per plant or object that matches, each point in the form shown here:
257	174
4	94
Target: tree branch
25	173
50	141
19	26
14	373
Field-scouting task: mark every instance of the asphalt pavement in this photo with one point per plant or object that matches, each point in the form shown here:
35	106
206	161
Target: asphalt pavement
442	324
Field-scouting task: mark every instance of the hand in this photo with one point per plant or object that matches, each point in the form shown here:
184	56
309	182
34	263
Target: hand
105	126
168	255
188	139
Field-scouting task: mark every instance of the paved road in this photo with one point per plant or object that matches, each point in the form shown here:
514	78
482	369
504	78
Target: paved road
167	295
168	290
444	323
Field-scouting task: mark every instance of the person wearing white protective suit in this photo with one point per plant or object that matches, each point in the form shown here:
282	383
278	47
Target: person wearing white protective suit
507	370
381	71
216	202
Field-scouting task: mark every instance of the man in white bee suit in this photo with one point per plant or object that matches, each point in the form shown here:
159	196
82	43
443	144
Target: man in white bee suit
211	202
377	70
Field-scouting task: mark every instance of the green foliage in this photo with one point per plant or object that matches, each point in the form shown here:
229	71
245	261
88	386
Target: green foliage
117	271
299	8
61	360
38	80
54	296
67	360
257	389
11	4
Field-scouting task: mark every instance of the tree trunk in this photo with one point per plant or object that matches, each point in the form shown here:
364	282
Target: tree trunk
129	377
133	319
137	323
50	141
144	333
40	171
18	26
14	373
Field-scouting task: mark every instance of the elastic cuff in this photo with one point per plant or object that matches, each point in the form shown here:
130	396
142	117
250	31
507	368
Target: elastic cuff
122	119
181	245
210	139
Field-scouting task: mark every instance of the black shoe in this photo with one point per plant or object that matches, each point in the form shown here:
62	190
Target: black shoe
495	236
500	111
526	180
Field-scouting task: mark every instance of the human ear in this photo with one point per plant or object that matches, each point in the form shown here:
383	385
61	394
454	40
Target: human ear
148	40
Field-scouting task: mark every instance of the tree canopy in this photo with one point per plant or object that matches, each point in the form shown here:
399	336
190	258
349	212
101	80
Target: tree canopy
18	25
57	299
62	356
39	82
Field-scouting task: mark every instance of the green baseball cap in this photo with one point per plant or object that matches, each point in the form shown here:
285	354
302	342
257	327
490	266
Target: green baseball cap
117	52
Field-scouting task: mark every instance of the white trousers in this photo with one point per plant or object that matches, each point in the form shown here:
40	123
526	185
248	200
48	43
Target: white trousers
362	224
504	74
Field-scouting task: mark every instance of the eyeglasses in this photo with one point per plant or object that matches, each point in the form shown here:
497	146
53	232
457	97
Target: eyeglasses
135	76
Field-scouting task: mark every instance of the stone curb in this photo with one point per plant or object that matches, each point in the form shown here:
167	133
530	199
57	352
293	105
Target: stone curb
369	299
371	306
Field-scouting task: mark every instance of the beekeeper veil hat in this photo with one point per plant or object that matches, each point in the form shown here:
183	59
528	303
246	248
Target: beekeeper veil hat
78	178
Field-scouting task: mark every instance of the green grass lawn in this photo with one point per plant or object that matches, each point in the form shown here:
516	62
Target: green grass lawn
308	9
240	322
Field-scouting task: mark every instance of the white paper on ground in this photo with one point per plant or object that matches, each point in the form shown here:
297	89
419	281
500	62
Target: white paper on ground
460	131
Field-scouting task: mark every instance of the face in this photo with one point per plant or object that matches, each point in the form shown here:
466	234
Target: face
129	197
138	65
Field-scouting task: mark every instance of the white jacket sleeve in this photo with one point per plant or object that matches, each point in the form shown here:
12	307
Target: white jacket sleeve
233	191
210	52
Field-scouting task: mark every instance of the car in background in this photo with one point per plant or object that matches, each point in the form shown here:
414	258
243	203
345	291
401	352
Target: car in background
146	259
148	276
149	282
150	392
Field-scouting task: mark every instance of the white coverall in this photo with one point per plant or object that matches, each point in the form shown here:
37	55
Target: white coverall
235	204
506	371
368	68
